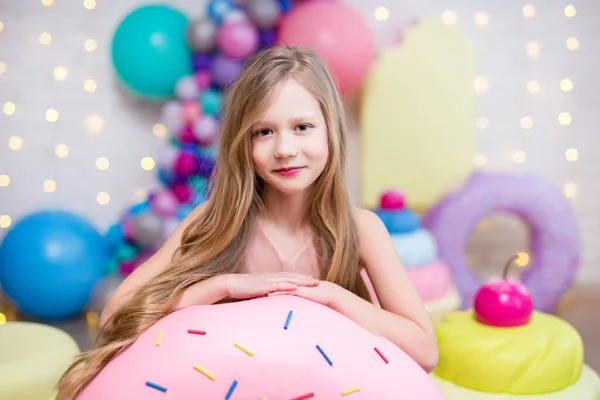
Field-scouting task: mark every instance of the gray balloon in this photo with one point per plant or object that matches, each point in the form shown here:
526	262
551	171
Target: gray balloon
201	35
102	292
147	229
264	13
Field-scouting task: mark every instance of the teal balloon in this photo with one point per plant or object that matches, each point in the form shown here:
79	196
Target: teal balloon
211	101
150	52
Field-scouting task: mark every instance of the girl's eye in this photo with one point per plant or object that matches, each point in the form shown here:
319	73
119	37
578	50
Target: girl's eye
303	127
263	132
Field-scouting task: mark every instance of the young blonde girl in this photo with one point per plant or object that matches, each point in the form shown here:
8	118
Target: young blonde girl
278	188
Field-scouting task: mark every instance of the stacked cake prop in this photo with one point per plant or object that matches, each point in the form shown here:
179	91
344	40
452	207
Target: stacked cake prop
502	349
418	252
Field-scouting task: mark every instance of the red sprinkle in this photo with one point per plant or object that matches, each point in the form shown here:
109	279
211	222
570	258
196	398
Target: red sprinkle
382	356
304	396
196	332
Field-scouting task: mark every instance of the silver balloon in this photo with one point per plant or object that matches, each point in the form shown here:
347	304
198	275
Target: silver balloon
102	292
201	35
147	229
264	13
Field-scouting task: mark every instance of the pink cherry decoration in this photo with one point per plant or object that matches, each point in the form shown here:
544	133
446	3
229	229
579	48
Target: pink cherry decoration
503	302
393	199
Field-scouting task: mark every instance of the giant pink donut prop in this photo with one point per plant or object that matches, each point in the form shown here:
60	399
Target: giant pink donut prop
271	361
553	228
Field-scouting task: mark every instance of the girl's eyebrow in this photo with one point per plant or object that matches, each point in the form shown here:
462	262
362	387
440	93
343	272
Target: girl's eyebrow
294	120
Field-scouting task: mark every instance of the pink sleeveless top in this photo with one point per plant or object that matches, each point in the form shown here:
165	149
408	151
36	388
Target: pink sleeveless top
263	254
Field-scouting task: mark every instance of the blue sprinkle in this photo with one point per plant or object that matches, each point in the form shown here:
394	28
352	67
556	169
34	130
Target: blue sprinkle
289	318
324	355
155	386
231	389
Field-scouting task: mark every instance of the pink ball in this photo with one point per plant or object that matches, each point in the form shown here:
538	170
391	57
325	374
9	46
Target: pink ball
183	191
393	199
186	164
164	203
238	39
286	362
203	79
206	129
191	111
338	33
187	134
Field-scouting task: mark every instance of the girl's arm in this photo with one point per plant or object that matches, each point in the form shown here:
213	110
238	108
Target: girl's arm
148	270
402	318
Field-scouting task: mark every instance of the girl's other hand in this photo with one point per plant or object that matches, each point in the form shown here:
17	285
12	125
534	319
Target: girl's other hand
246	286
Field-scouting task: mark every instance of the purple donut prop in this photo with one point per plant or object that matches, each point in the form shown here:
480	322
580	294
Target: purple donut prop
555	245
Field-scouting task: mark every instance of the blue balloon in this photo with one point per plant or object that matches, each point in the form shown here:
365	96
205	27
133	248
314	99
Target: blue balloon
138	208
50	262
211	101
114	237
149	51
286	5
399	221
218	9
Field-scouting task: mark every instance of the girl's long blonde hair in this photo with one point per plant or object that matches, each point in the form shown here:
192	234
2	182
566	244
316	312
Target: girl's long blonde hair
213	243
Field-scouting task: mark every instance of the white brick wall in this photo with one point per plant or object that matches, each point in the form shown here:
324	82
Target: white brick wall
127	136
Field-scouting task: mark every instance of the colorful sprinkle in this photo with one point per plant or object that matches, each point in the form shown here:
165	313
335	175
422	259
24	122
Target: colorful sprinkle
382	356
205	372
196	332
304	396
244	349
155	386
352	390
159	338
324	355
289	318
231	389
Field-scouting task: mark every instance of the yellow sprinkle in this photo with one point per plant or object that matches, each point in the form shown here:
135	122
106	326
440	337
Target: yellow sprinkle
245	350
348	391
159	337
205	372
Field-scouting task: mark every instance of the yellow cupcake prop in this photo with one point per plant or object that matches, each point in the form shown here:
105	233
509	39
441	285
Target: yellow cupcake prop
33	357
503	350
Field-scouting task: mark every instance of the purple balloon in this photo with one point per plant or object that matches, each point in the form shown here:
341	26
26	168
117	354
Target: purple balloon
267	37
201	61
206	166
167	157
225	70
554	233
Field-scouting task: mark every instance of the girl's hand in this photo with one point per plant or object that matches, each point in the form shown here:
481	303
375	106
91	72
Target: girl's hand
247	286
324	293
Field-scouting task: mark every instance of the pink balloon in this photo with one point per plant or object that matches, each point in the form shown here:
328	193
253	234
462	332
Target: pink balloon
186	164
238	39
128	227
203	79
183	191
164	203
187	134
298	347
338	33
191	111
393	199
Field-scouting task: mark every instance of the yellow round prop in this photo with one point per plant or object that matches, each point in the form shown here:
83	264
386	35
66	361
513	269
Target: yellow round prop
417	116
33	357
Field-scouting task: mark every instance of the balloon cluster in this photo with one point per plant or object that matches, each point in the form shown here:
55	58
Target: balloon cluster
219	43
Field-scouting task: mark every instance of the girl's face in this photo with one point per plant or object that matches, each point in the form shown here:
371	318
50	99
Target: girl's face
289	140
